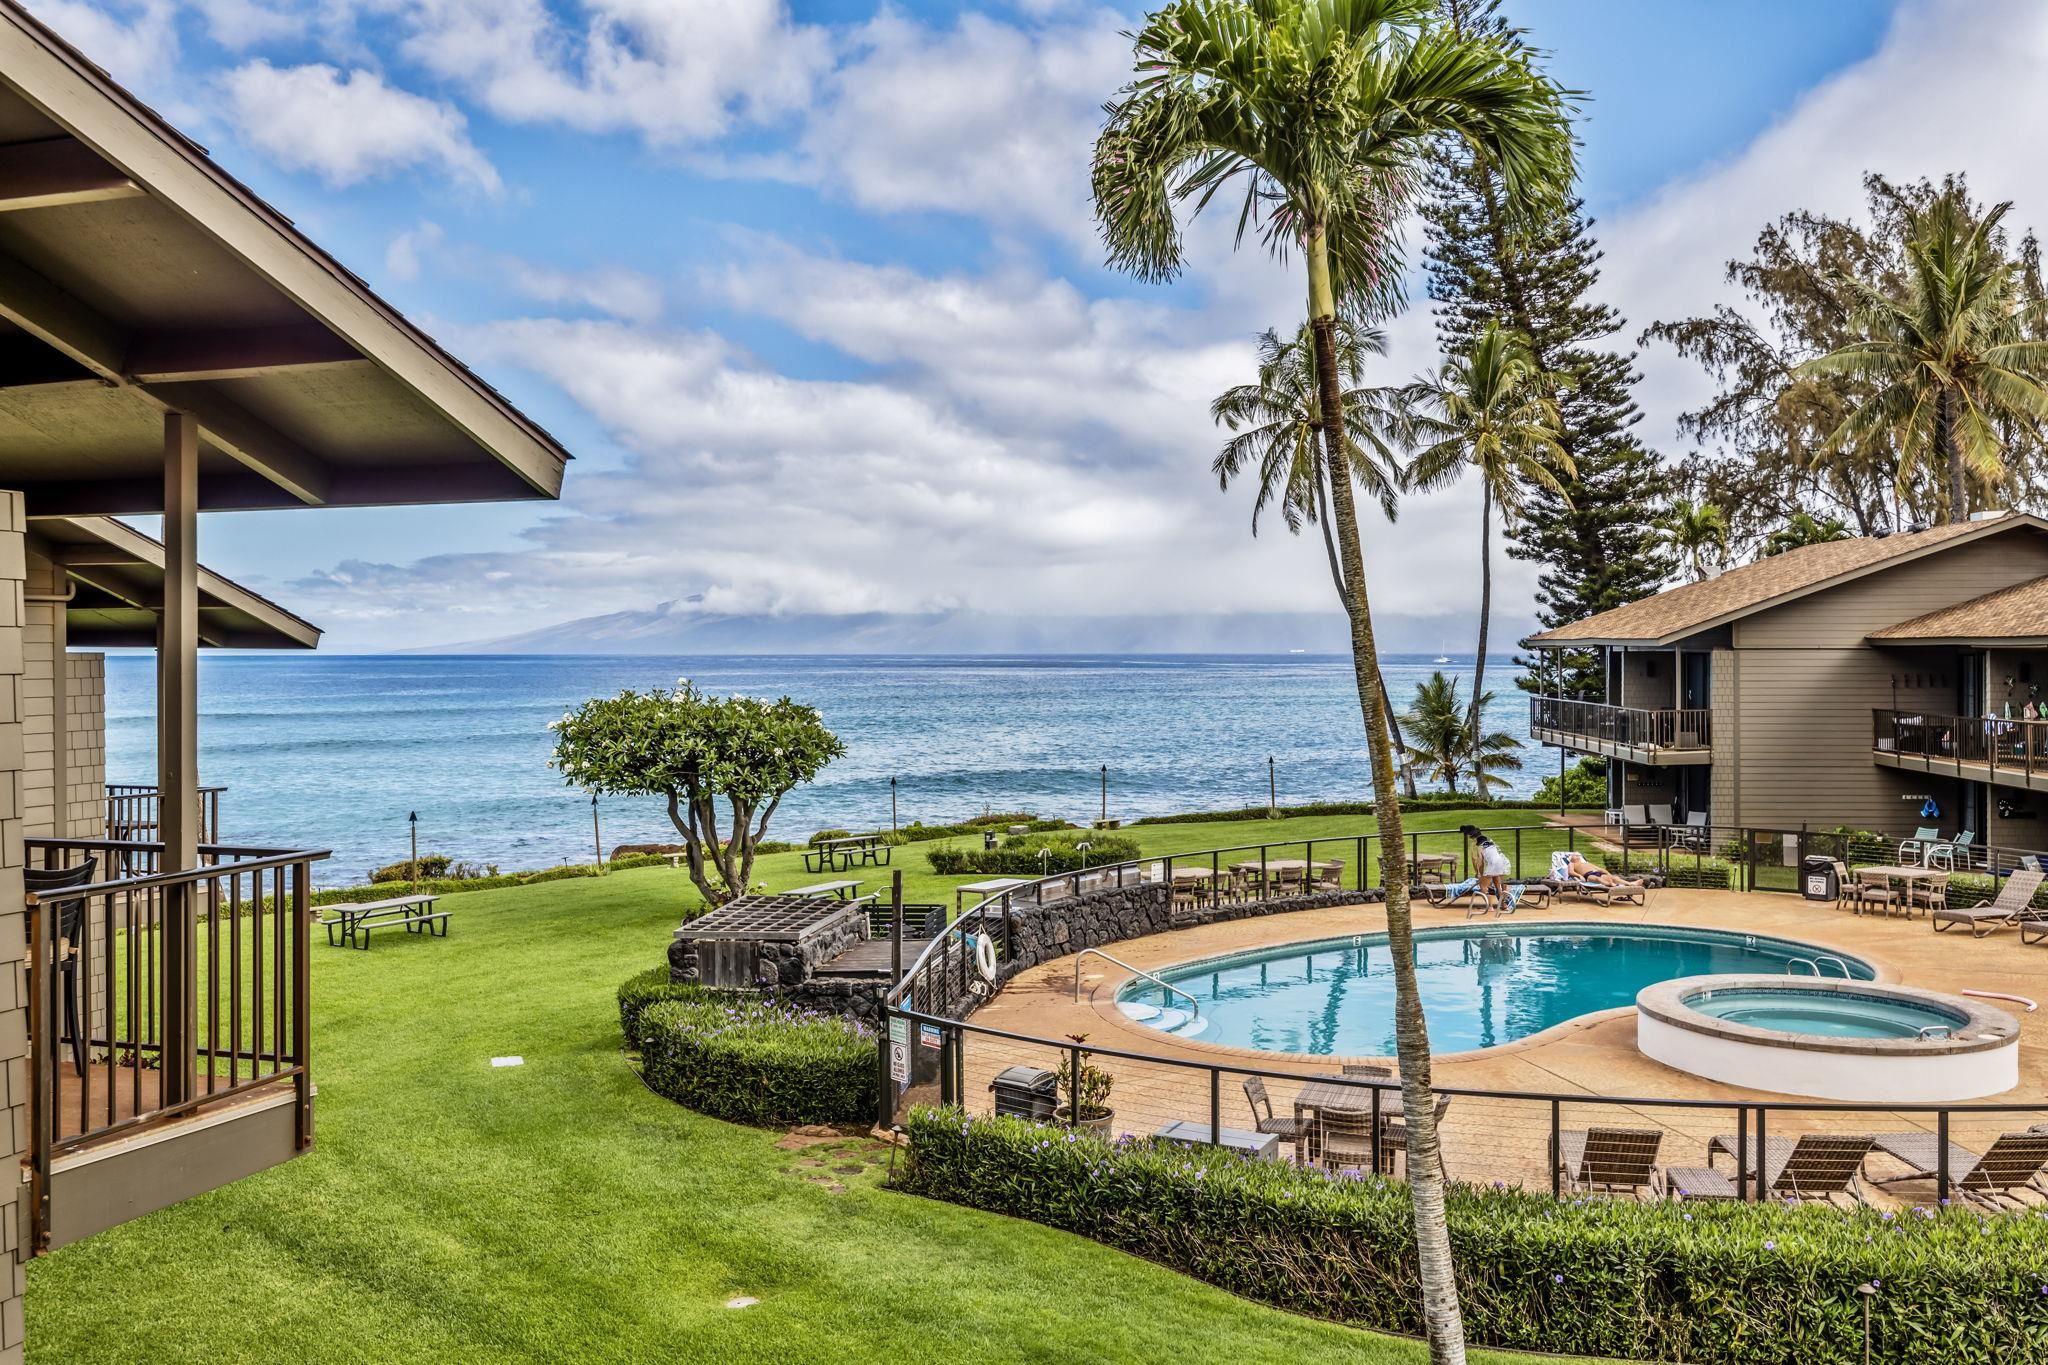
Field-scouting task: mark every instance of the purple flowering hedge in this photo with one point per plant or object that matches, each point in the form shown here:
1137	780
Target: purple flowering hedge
1721	1284
751	1059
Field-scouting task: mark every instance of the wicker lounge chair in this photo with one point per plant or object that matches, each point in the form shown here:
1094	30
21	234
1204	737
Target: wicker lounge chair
1814	1166
2013	1162
1563	883
1287	1129
1610	1160
1371	1071
1697	1182
2013	902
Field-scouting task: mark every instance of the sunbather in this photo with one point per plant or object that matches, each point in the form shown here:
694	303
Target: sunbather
1576	865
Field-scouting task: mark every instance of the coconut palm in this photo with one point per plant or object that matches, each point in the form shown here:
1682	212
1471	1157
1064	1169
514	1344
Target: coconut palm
1801	528
1697	533
1954	357
1276	424
1438	738
1321	112
1488	411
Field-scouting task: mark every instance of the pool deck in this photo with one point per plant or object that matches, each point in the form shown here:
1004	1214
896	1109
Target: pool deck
1596	1054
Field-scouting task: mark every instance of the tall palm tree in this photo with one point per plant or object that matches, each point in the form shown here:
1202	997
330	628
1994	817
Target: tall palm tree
1489	411
1801	528
1438	737
1697	532
1276	423
1322	111
1955	357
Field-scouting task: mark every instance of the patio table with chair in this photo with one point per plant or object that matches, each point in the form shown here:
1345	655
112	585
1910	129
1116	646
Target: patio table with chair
1334	1116
1906	886
1283	873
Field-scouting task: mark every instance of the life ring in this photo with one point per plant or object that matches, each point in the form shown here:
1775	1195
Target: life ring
985	957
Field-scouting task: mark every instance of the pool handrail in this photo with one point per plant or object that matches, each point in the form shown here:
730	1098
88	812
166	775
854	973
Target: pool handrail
1193	1003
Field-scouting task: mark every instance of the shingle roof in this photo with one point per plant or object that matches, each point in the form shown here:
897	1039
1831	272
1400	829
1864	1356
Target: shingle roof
2016	613
1682	611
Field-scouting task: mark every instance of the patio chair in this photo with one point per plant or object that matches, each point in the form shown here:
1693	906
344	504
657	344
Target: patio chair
1264	1120
1819	1166
1958	849
1930	895
2013	902
1609	1160
71	920
1693	834
1914	849
1329	876
1846	886
1371	1071
1879	895
2013	1162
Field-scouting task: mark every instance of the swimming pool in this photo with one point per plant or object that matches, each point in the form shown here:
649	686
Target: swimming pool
1481	986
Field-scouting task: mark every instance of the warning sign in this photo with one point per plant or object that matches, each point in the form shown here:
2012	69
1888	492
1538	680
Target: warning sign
899	1062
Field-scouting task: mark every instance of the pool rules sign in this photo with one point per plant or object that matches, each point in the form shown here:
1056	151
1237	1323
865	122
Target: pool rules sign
899	1050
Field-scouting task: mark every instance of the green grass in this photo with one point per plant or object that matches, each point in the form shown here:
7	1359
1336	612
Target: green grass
559	1211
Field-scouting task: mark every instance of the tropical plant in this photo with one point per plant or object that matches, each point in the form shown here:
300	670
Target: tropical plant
1697	534
1277	422
1321	111
1801	528
1442	739
1084	1085
1488	410
692	749
1954	358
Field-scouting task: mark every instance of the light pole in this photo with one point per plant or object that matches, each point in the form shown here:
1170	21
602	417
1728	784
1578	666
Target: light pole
1869	1291
892	805
596	835
1272	787
414	821
1105	793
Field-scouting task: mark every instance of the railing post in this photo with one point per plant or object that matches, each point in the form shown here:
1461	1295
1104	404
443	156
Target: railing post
1763	1149
1074	1086
947	1095
1215	1107
1556	1149
885	1102
1378	1157
1941	1188
42	1079
302	998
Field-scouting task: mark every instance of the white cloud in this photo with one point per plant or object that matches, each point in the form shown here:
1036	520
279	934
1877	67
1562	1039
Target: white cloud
135	40
348	127
406	254
609	289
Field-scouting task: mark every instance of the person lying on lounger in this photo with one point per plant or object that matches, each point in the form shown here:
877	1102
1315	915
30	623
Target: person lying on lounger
1581	870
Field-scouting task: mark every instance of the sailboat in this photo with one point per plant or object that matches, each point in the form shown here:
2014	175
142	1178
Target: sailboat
1441	657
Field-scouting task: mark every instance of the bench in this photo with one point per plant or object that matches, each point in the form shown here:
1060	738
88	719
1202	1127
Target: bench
355	921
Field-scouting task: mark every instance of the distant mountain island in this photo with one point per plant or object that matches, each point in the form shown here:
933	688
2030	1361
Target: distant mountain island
684	627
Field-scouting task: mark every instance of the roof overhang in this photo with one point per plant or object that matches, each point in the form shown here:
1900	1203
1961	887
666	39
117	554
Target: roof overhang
115	583
138	278
1960	641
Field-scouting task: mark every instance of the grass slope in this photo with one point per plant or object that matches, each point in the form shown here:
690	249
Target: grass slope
454	1212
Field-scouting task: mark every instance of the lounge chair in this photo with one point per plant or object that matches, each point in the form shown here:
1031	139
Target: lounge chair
1816	1166
1610	1160
2013	902
1697	1182
1467	892
1565	884
1371	1071
1914	849
1287	1129
2013	1162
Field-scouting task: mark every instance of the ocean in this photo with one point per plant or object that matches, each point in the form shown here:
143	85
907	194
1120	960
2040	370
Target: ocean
336	751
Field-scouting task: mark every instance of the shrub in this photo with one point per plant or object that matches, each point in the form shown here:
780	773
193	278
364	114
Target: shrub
650	987
1018	855
1718	1284
822	835
1420	801
1585	784
753	1060
431	866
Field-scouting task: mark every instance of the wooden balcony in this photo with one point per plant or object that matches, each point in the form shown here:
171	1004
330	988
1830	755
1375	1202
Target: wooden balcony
2009	753
169	1029
1665	737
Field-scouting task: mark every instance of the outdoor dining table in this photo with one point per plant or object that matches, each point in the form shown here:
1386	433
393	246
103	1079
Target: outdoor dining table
1281	869
1887	873
1435	866
1351	1098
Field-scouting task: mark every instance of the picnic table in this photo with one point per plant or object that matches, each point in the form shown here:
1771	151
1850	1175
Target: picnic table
843	890
994	886
846	851
1280	870
1887	873
415	912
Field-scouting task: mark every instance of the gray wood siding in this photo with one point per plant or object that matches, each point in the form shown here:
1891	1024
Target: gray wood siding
1639	688
1842	616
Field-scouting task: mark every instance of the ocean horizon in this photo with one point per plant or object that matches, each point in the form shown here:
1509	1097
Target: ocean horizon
336	751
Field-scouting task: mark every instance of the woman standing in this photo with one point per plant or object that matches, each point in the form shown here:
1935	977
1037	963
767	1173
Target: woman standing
1493	866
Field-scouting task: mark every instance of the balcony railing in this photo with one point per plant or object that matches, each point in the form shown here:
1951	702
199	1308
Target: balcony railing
1685	729
135	812
156	997
2015	750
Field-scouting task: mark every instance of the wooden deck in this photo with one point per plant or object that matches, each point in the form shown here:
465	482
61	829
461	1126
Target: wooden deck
870	961
135	1092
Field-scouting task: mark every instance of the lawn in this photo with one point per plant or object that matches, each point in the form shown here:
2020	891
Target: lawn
453	1211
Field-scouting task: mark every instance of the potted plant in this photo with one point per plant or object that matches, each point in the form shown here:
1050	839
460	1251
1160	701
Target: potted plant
1086	1093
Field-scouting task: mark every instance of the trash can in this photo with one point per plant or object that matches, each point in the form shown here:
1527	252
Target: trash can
988	839
1817	878
1025	1092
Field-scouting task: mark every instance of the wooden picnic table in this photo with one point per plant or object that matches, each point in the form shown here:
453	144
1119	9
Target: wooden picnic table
355	919
982	890
826	854
843	890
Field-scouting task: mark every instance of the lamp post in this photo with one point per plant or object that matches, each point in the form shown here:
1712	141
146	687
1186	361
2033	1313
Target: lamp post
1868	1291
596	835
1272	787
892	805
413	820
1105	792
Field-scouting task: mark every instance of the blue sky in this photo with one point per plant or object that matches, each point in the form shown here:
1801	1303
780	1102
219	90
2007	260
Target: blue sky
812	291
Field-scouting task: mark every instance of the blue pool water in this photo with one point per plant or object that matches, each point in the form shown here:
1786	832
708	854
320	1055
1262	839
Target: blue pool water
1480	986
1827	1014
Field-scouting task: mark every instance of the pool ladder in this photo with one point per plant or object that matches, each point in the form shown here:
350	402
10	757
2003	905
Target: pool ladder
1194	1005
1813	965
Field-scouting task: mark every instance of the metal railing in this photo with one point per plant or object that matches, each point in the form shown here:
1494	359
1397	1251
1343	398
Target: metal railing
938	994
2017	749
135	812
155	996
1195	1006
1684	728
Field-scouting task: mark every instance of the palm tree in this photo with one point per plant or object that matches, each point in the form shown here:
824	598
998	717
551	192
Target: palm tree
1322	112
1437	734
1954	356
1489	411
1802	529
1276	422
1490	755
1697	532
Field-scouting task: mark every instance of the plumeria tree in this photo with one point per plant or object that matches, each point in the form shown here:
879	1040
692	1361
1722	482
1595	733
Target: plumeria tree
695	750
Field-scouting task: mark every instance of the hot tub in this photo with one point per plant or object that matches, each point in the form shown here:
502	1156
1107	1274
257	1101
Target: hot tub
1833	1040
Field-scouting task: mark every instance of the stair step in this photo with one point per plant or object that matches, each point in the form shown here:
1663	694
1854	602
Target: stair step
1142	1013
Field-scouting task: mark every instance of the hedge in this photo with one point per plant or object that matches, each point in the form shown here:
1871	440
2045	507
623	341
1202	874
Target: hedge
755	1060
1714	1283
1018	856
650	987
442	886
1424	801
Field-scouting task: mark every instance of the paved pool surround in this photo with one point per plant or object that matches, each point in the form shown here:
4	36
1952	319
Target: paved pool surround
1980	1057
